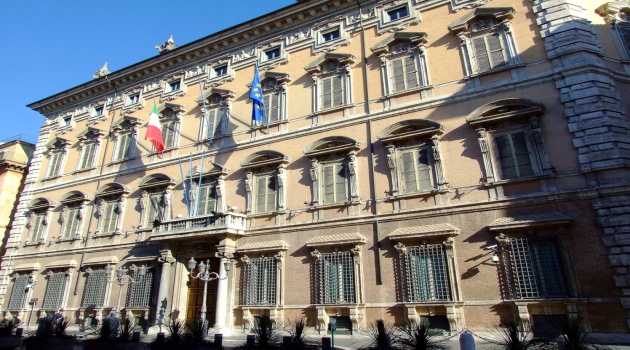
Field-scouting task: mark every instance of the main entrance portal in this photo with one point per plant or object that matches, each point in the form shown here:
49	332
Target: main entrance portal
195	295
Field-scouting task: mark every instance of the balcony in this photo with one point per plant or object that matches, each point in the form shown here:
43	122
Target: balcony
200	226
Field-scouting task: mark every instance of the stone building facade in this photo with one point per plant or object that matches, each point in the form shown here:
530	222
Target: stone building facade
452	159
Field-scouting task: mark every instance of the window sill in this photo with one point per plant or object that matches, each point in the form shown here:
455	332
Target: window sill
332	44
334	205
172	95
132	107
264	126
540	301
418	194
69	239
261	215
83	170
409	91
49	178
495	70
283	59
334	109
114	162
34	244
517	180
106	234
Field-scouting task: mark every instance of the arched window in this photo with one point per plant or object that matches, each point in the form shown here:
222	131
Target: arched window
155	201
265	182
39	218
73	214
110	208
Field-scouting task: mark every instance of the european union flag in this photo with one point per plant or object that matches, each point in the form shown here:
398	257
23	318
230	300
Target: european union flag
256	94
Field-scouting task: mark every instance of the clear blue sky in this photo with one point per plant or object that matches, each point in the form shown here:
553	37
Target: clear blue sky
50	46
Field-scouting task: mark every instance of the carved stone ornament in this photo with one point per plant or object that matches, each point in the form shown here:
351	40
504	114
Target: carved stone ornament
245	259
168	45
101	72
401	248
166	260
316	254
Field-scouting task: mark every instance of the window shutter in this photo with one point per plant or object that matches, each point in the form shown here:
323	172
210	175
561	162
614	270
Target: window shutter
481	53
88	156
521	155
327	93
424	170
411	70
169	134
409	172
128	146
624	33
549	273
72	223
38	227
271	193
329	186
111	215
217	122
398	75
155	206
341	193
274	109
207	199
338	90
497	53
261	187
504	150
55	162
123	146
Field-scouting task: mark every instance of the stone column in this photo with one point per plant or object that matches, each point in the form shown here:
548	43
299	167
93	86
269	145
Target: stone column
167	259
221	312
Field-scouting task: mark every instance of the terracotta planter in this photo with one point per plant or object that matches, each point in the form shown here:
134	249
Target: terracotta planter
10	342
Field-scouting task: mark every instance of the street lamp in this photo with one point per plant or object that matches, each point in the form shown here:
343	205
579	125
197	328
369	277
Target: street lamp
206	276
121	279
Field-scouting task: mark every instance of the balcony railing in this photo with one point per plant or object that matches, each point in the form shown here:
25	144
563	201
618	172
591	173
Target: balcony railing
202	223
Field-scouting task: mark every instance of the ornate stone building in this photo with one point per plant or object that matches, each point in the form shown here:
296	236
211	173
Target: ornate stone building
461	160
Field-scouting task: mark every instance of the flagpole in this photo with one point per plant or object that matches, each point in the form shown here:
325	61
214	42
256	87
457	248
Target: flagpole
192	211
205	116
203	155
181	170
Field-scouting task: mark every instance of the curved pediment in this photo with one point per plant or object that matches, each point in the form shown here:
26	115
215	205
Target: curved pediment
410	129
171	107
41	203
509	108
157	180
90	133
112	189
415	38
499	14
75	197
214	171
215	96
333	144
264	158
337	59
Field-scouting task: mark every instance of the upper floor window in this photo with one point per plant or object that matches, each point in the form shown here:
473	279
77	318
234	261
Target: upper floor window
156	198
486	39
89	147
125	133
333	170
207	196
170	118
397	13
272	53
512	150
98	110
332	81
66	121
56	152
403	62
617	15
174	86
132	99
220	72
72	214
111	201
214	120
265	182
38	220
331	35
414	157
275	86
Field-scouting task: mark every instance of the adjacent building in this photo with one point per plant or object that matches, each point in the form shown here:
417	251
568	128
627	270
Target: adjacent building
461	160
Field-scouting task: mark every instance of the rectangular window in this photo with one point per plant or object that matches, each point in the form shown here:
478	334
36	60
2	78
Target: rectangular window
67	121
334	183
132	99
415	171
139	291
215	120
331	35
489	52
95	286
54	166
55	290
272	53
537	268
272	107
156	206
334	275
425	272
71	225
124	146
37	227
87	156
260	281
174	85
397	13
219	71
405	73
18	294
98	110
332	92
169	132
110	215
266	193
207	198
513	155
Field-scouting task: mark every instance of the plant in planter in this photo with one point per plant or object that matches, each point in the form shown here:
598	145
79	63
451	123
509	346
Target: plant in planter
297	332
113	334
175	339
8	339
574	335
420	336
382	336
512	334
50	334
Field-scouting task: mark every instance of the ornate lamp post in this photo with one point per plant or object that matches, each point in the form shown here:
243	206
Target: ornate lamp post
206	276
121	279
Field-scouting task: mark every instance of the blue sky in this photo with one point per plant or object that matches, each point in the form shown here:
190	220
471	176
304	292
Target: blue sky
51	46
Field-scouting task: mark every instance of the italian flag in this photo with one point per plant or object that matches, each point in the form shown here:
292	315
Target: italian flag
154	130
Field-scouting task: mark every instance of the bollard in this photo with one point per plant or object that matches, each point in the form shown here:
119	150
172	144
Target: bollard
251	341
466	341
160	338
19	331
218	341
286	341
135	337
326	344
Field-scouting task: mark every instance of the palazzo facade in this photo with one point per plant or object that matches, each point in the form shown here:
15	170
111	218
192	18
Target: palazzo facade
461	160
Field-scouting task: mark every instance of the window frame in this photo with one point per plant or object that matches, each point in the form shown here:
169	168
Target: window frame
617	16
266	62
153	186
98	277
269	165
25	279
110	204
219	103
62	298
38	221
212	79
329	67
169	81
74	201
145	286
170	116
56	152
89	140
387	24
126	128
133	100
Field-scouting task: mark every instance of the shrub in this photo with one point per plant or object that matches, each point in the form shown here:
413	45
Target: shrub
420	336
8	326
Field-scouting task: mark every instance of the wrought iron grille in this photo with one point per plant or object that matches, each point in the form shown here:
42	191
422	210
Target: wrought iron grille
260	281
334	275
536	268
18	294
55	290
139	292
425	271
95	285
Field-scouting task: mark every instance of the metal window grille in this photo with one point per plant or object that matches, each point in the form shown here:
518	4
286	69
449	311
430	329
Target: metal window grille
95	285
536	268
425	271
139	292
55	290
334	273
260	281
18	294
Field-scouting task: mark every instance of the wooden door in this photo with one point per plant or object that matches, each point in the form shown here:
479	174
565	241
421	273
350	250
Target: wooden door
195	296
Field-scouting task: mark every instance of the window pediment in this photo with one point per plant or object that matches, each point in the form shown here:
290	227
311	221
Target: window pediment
216	96
425	231
41	203
264	158
410	129
113	189
27	267
499	111
90	133
171	107
529	221
391	43
101	260
330	62
330	145
126	122
217	170
263	247
352	239
617	10
75	197
58	144
62	264
157	180
464	24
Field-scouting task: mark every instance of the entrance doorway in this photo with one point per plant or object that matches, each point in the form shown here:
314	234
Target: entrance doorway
195	295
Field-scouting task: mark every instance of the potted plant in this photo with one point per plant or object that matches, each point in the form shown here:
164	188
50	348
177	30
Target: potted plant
113	333
50	334
8	339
